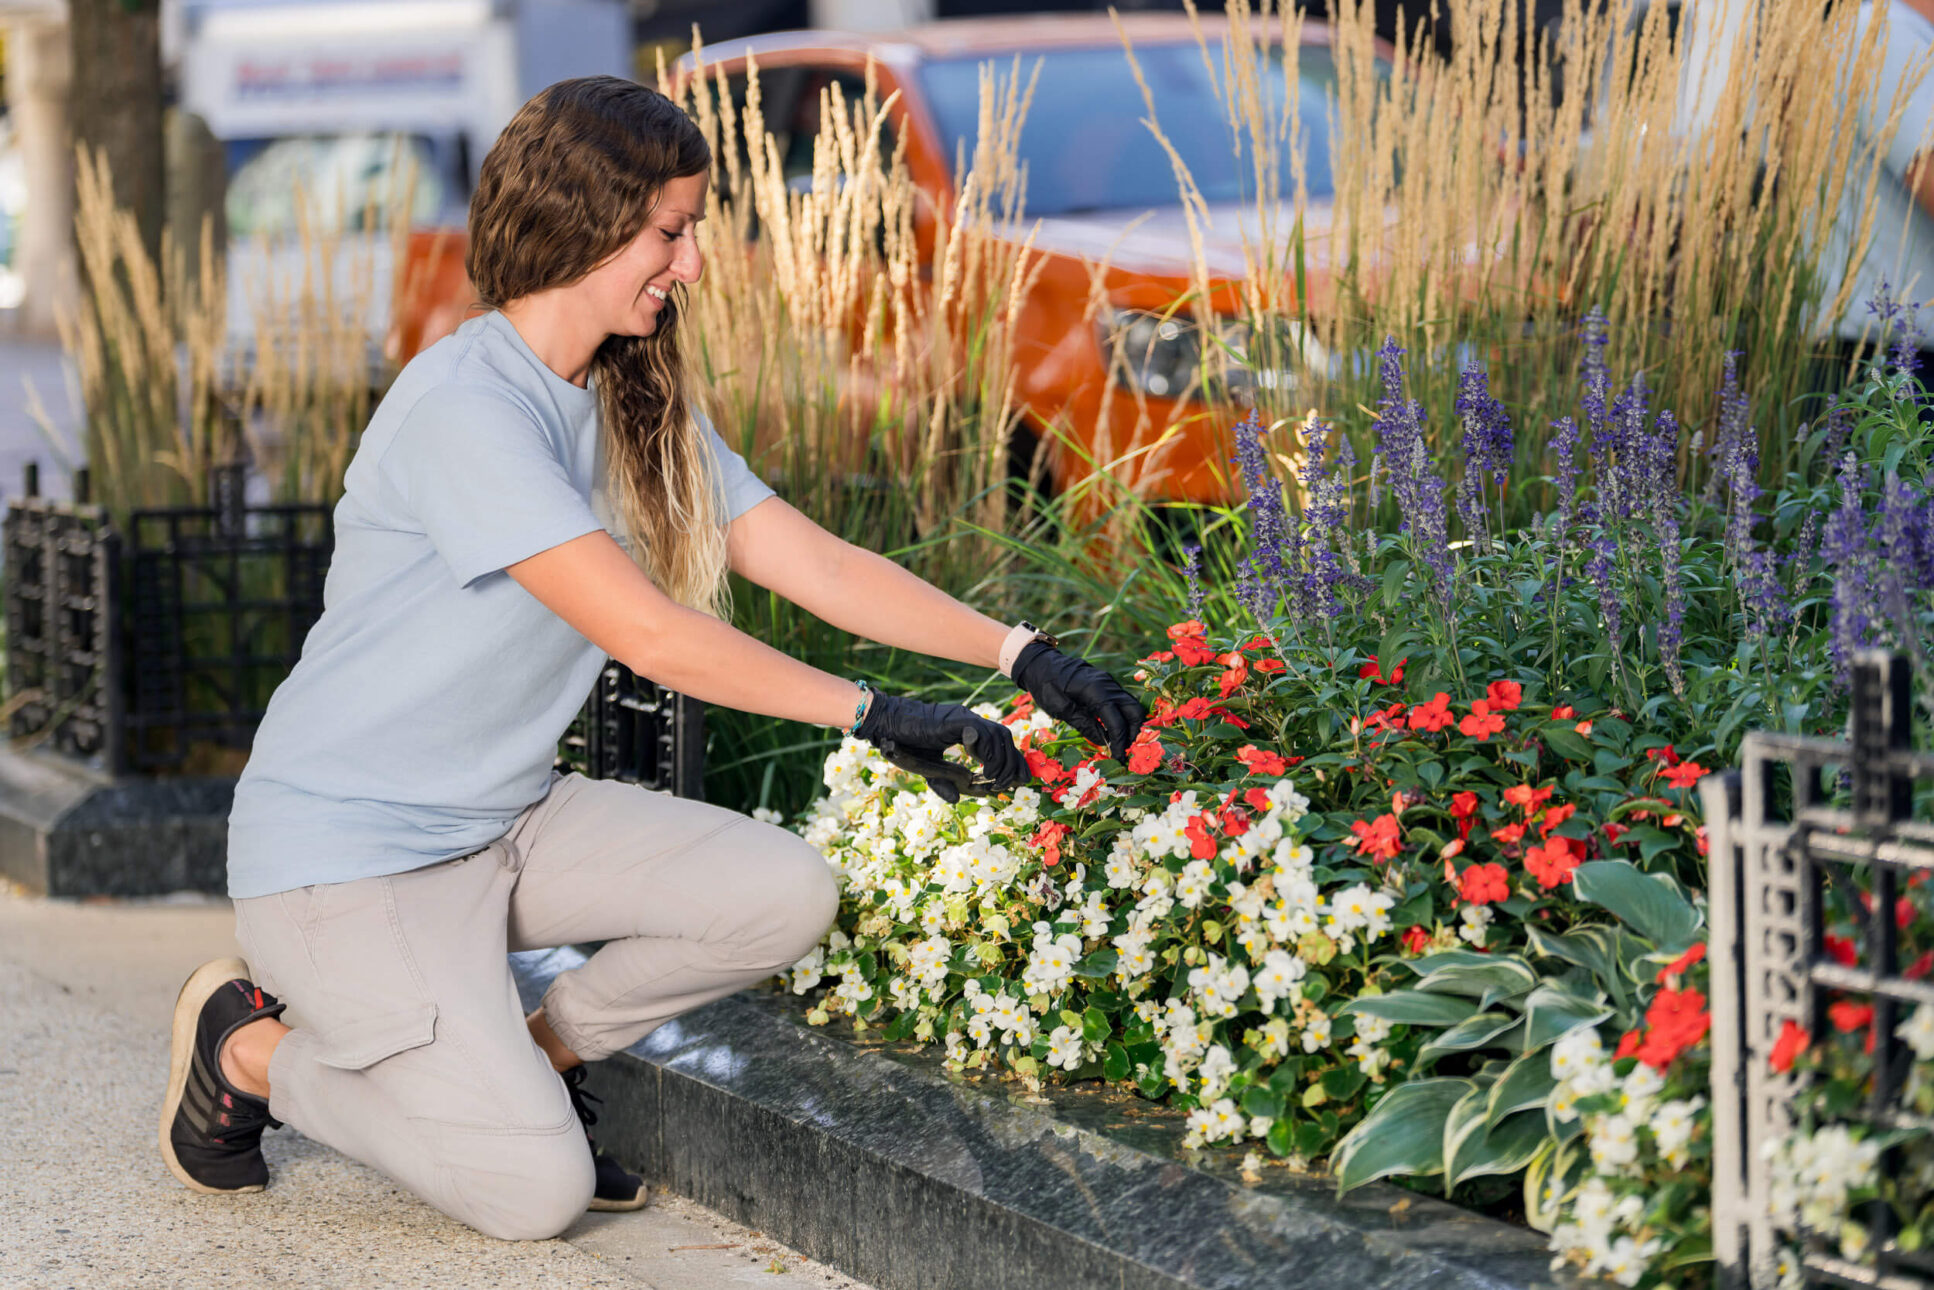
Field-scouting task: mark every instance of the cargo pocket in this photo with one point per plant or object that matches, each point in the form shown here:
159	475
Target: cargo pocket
360	1044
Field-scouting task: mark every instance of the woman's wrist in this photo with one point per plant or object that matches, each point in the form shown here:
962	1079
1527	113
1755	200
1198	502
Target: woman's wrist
862	704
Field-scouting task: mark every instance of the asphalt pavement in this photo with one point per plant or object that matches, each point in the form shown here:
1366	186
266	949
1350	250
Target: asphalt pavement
86	992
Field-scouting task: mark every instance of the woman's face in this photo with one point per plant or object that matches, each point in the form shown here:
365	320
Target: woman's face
625	290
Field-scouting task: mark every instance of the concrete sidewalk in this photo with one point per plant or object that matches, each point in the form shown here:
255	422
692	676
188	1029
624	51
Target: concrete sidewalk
86	991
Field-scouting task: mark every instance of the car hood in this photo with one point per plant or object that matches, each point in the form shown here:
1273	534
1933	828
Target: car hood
1157	240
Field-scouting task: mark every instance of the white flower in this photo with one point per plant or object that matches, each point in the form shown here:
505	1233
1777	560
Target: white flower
1614	1144
767	815
1064	1048
1476	918
1917	1032
1288	804
1626	1261
1192	884
806	972
1275	1038
1278	976
1638	1090
1673	1124
1216	1068
1316	1034
1052	962
1372	1029
1576	1051
927	960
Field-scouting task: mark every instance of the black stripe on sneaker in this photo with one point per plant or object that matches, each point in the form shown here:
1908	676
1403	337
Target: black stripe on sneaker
199	1108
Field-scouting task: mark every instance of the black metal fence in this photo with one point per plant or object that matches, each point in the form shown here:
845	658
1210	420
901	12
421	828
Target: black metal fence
157	652
1770	871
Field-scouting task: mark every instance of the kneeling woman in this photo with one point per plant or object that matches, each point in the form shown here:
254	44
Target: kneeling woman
399	825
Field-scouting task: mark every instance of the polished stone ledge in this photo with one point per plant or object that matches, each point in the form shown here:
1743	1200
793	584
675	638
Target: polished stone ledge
872	1158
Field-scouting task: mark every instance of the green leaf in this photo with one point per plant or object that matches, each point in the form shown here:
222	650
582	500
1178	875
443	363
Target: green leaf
1567	743
1094	1026
1471	1150
1472	1032
1394	574
1550	1012
1496	978
1403	1134
1592	948
1694	1248
1526	1083
1262	1100
1098	964
1342	1082
1412	1008
1114	1062
1649	904
1280	1141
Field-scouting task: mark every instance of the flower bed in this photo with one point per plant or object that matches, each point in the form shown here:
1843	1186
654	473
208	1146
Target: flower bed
1405	874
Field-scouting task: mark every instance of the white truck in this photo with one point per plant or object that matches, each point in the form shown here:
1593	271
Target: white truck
327	94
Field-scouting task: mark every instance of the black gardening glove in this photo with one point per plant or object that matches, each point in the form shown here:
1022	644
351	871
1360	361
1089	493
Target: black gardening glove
1077	692
912	734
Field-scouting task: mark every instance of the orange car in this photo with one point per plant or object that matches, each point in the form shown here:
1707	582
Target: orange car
1094	170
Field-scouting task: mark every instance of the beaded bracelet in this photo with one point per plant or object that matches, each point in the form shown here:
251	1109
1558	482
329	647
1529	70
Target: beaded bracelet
859	709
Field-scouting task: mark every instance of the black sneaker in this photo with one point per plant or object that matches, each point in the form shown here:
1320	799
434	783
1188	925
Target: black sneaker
618	1188
211	1131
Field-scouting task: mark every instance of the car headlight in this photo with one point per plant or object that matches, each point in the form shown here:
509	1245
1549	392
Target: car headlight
1162	355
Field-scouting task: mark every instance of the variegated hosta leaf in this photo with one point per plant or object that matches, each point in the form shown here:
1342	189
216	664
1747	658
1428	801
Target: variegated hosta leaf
1594	948
1526	1083
1500	978
1650	904
1471	1149
1550	1012
1413	1008
1403	1134
1472	1032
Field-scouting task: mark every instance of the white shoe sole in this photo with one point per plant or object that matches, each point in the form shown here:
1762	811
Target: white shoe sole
207	979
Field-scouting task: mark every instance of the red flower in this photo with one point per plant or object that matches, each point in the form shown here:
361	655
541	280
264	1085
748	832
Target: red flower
1390	718
1482	723
1676	1020
1237	673
1507	835
1583	727
1432	716
1049	835
1201	845
1453	848
1503	696
1145	754
1261	761
1045	768
1463	806
1484	883
1665	756
1194	651
1193	627
1848	1016
1195	709
1377	839
1552	863
1415	939
1257	799
1370	671
1023	707
1685	774
1159	656
1904	913
1792	1042
1920	967
1683	962
1234	822
1258	642
1843	950
1526	796
1613	832
1268	665
1556	815
1563	713
1233	719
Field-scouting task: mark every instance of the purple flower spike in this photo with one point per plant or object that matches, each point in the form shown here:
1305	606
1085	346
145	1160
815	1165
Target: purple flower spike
1413	474
1487	448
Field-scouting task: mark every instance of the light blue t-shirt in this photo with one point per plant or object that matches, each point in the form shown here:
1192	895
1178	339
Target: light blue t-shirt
1900	251
424	713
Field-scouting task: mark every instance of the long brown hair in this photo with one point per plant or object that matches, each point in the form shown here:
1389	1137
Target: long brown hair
569	182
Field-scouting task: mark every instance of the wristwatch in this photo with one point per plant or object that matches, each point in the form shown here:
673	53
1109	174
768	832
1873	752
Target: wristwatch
1017	640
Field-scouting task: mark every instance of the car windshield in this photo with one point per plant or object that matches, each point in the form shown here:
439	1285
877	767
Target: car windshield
1084	142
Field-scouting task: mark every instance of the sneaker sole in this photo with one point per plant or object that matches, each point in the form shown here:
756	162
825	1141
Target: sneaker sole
207	979
601	1205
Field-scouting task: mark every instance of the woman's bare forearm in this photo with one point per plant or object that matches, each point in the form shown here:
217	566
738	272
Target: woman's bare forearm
715	662
873	597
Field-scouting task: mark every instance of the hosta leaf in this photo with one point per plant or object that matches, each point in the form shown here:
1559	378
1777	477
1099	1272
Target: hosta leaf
1496	978
1403	1134
1472	1032
1593	948
1649	904
1471	1150
1447	958
1526	1083
1413	1008
1549	1012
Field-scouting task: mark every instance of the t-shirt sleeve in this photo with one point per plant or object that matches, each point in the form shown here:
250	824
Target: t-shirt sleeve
743	490
481	477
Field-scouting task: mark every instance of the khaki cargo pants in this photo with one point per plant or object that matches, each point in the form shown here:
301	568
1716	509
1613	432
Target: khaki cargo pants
411	1052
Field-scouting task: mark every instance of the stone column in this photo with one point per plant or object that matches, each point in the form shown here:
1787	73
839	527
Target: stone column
38	72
